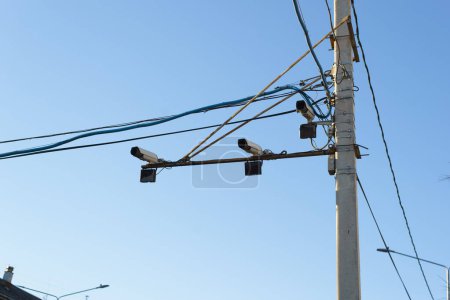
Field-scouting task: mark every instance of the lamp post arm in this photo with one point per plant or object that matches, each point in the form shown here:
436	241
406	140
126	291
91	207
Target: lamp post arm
447	269
74	293
41	292
421	259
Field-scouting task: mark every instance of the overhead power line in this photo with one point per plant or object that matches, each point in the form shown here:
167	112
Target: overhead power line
387	149
382	236
145	137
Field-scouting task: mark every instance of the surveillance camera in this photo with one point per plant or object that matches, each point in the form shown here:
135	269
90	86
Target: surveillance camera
250	147
303	108
144	155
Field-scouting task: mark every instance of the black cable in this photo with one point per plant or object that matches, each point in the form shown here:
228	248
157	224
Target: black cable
311	49
81	130
257	100
148	136
133	122
387	149
382	237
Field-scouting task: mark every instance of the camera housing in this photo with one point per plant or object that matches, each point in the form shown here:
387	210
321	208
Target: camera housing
306	111
250	147
144	155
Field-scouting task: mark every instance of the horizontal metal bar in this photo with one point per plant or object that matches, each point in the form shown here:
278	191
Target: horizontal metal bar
170	164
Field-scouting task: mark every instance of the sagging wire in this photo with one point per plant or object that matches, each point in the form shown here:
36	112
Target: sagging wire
155	121
146	137
127	123
329	132
314	145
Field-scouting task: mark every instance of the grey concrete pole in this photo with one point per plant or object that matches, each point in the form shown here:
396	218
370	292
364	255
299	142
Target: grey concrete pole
347	240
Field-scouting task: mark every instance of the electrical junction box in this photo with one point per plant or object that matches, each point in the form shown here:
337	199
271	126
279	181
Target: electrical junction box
253	168
308	131
148	175
332	164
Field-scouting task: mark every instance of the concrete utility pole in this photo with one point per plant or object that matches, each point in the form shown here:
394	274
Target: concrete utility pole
347	240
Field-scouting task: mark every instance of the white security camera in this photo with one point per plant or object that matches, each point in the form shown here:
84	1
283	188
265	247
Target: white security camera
303	108
250	147
144	155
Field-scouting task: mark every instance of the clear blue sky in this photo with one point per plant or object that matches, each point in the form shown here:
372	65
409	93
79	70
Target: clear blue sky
75	219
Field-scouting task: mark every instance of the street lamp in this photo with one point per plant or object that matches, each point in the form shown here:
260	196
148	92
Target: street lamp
447	269
101	286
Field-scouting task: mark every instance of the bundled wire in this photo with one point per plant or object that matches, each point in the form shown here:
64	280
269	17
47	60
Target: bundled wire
146	137
267	97
146	123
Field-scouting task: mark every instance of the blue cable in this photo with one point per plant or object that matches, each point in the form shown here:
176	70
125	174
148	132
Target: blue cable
311	103
148	124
